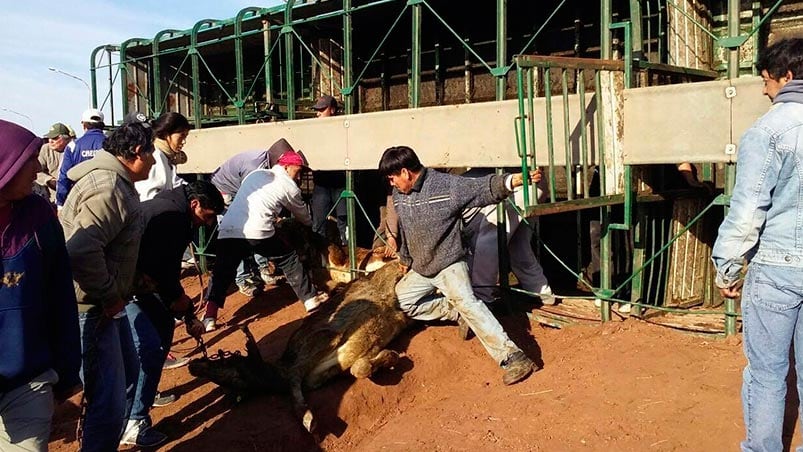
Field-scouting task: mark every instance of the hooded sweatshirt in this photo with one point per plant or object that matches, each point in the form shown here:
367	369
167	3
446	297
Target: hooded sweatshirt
102	221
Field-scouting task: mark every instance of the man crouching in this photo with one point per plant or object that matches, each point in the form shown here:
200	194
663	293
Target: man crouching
429	205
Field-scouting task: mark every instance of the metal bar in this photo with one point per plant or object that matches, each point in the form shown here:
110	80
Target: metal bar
581	93
677	70
238	61
765	18
734	10
604	29
290	88
501	85
267	49
550	139
567	151
531	191
573	205
568	62
415	63
637	43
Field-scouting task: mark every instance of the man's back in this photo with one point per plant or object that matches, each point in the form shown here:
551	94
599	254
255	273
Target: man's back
85	148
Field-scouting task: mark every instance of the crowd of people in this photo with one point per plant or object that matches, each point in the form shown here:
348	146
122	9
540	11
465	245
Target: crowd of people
94	232
94	229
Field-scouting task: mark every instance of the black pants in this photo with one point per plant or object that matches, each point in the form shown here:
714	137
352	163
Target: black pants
232	251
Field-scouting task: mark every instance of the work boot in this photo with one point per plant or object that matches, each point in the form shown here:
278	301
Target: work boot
463	330
517	367
164	400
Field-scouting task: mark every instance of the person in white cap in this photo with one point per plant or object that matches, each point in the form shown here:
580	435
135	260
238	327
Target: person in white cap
85	148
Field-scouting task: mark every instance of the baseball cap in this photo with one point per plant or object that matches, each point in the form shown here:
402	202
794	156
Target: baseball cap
92	116
325	102
292	158
137	117
57	130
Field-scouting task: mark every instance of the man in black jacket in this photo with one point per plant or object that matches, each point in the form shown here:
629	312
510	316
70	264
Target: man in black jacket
159	298
430	206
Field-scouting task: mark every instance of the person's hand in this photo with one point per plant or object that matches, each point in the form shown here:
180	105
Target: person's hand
181	304
111	310
733	291
194	327
392	247
518	178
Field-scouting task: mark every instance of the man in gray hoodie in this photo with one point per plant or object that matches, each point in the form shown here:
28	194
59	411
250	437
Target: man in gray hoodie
103	224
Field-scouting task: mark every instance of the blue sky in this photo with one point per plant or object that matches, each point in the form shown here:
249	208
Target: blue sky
37	34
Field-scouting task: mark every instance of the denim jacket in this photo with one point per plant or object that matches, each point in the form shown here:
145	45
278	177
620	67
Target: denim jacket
765	221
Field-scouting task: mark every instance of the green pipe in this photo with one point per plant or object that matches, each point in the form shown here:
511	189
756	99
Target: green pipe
290	90
157	72
93	72
239	102
348	105
550	139
637	43
730	171
415	58
567	151
581	93
605	261
501	85
196	72
348	71
604	29
531	190
267	50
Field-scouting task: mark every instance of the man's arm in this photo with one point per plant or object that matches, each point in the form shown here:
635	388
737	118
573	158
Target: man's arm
752	197
296	205
482	191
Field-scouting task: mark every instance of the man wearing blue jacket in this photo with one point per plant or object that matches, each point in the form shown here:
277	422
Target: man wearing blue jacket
764	226
85	148
40	349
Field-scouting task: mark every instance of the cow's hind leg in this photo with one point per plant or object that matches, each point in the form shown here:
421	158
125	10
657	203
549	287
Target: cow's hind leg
365	367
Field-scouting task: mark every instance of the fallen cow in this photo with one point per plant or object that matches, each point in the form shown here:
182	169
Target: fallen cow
349	333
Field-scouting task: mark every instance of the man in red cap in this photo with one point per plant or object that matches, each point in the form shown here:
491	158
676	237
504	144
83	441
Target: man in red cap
40	349
249	226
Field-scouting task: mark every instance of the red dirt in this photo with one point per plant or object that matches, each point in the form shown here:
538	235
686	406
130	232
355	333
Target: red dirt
626	386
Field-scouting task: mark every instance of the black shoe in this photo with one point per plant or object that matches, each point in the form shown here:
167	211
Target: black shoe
517	367
463	330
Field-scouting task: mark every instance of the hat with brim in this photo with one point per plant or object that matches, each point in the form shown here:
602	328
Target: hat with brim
56	130
17	146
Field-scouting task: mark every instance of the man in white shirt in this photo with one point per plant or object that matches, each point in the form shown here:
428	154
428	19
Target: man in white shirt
249	226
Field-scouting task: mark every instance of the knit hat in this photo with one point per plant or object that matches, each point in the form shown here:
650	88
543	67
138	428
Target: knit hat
17	145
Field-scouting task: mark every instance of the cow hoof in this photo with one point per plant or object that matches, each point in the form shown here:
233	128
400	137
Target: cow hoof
385	358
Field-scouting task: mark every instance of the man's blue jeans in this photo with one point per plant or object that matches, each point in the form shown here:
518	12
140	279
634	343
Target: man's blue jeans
416	299
109	372
249	267
773	322
152	327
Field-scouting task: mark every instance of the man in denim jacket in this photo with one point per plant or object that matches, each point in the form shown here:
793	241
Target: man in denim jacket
765	227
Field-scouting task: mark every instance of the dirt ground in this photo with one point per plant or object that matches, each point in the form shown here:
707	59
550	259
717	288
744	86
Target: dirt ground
625	386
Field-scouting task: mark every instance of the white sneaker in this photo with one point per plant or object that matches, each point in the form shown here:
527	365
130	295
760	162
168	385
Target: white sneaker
140	433
597	302
209	324
624	308
312	304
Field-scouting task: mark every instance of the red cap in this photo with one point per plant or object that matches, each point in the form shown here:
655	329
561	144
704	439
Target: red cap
291	158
